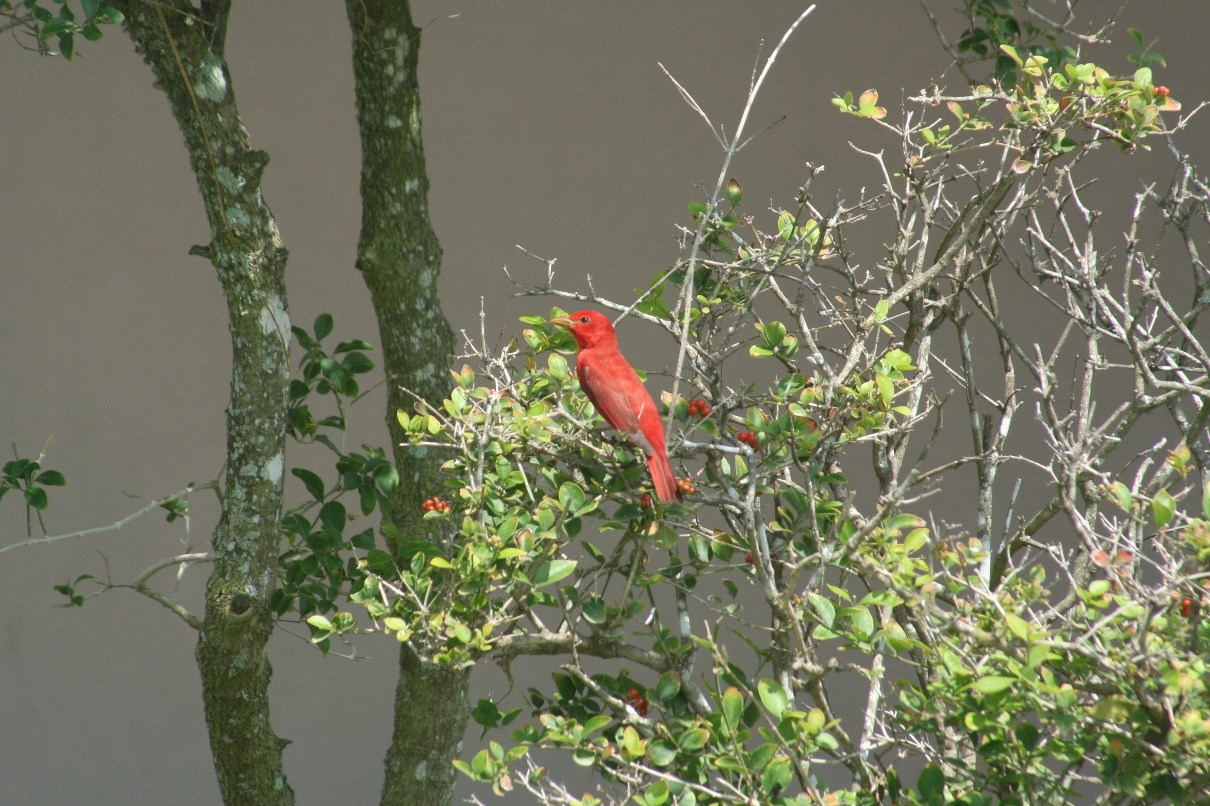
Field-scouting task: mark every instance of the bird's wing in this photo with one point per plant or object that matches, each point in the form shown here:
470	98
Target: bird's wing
618	395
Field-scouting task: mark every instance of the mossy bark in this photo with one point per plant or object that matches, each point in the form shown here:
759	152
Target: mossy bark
184	47
399	258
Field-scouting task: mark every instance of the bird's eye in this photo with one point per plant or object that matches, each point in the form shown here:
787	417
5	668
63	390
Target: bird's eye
583	320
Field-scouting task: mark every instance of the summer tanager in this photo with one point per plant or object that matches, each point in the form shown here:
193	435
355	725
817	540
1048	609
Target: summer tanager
618	395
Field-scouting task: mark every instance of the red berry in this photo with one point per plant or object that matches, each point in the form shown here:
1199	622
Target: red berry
645	501
686	486
436	504
749	559
1186	607
642	709
699	408
633	694
1161	91
750	439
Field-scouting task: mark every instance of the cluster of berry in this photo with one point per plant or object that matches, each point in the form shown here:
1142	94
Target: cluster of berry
1186	604
749	439
436	504
699	408
637	701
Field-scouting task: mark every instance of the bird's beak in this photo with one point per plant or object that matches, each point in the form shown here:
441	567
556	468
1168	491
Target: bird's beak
562	321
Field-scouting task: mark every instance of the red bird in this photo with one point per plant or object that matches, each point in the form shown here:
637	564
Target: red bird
618	395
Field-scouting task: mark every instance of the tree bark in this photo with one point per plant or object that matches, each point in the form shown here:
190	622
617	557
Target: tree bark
184	48
399	258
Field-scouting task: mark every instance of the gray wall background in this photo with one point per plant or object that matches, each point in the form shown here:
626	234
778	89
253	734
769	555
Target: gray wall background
548	124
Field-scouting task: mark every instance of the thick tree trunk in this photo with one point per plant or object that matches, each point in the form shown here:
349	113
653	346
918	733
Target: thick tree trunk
399	257
247	252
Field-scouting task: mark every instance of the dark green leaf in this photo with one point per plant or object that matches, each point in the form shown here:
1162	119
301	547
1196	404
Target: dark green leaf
357	363
51	478
931	784
333	516
311	481
36	498
668	687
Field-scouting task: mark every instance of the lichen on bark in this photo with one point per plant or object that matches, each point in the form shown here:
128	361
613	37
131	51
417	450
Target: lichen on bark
400	259
183	47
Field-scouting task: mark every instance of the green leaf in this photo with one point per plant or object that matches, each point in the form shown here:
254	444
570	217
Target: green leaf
777	776
993	683
333	516
36	498
55	27
593	610
661	754
357	363
931	784
773	696
557	366
656	794
886	389
311	481
693	739
899	360
51	478
862	621
1018	625
668	687
363	540
348	345
551	572
824	608
1163	508
632	742
1122	495
883	598
323	326
733	707
1012	54
486	713
915	540
571	497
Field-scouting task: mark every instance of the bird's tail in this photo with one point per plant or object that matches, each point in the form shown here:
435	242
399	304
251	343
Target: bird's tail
664	478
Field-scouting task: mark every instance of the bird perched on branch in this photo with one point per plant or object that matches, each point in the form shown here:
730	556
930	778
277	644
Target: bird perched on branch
618	395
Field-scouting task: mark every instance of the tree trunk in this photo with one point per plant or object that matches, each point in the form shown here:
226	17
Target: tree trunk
399	257
246	250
